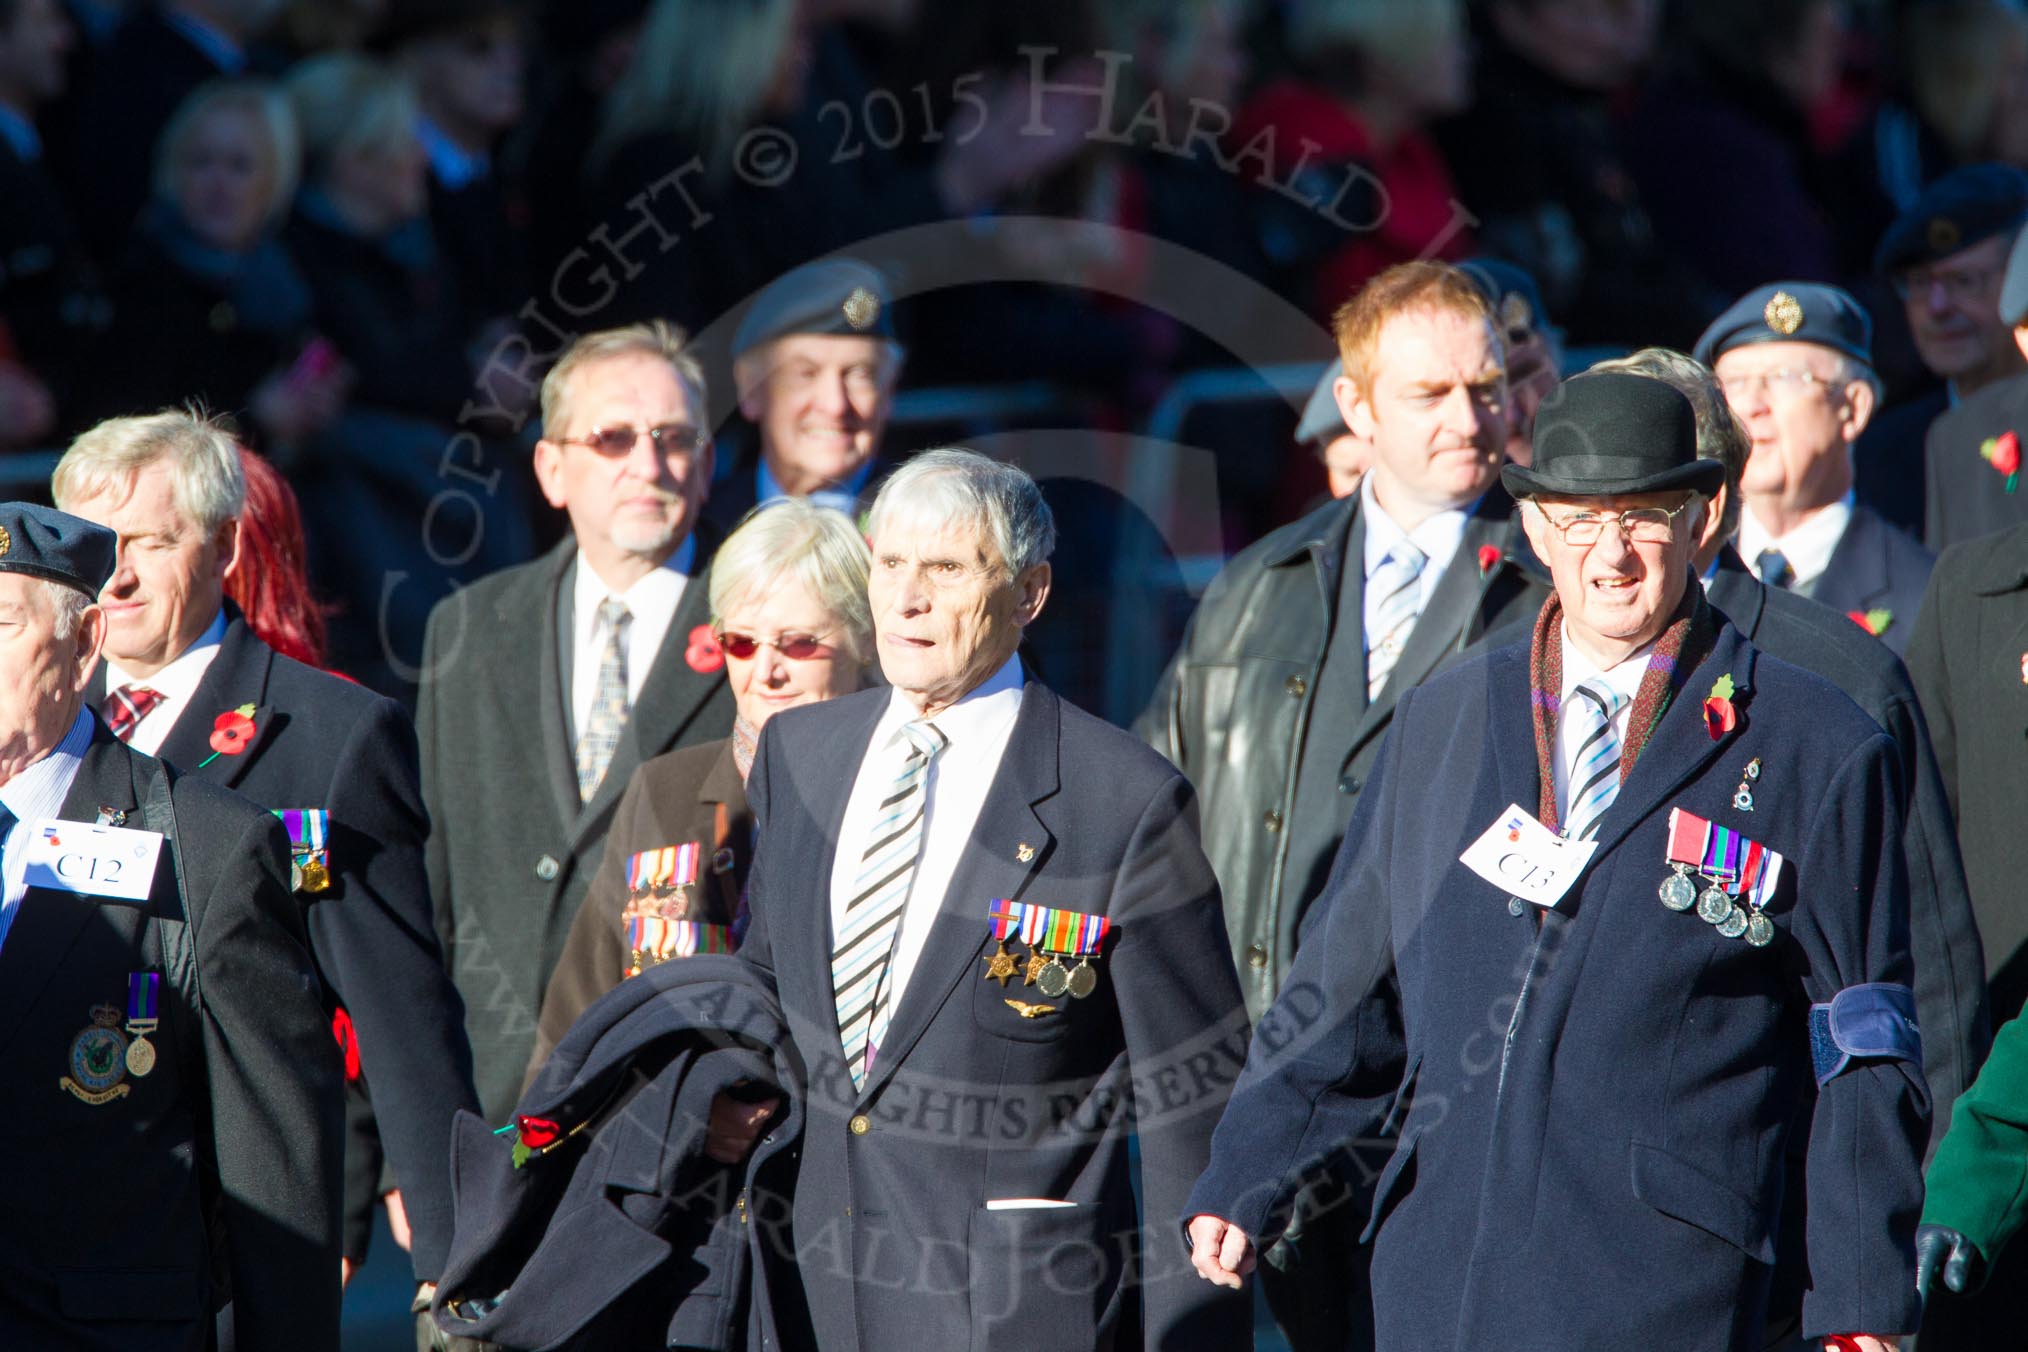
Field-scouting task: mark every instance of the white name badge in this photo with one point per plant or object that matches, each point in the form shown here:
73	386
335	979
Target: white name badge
100	861
1525	859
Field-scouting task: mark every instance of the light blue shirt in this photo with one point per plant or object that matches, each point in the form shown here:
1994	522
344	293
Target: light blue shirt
1438	537
844	498
33	795
453	166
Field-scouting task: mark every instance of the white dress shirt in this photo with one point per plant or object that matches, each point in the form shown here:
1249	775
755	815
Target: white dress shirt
1808	547
175	683
977	728
33	795
1623	678
1437	537
652	602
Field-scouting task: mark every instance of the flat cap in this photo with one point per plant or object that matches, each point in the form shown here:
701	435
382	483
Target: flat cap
1953	213
1321	422
2014	290
1515	300
1611	432
56	546
1791	312
840	296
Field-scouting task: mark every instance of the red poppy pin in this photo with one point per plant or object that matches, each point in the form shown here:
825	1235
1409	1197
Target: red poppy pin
2003	453
532	1136
230	733
704	655
1874	621
1720	717
1489	558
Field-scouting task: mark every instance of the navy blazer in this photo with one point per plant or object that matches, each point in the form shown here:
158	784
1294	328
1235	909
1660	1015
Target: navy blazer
1877	567
1600	1091
322	742
969	1100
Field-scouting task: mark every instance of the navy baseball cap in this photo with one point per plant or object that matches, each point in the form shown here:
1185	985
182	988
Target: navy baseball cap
1955	212
1791	312
56	546
839	296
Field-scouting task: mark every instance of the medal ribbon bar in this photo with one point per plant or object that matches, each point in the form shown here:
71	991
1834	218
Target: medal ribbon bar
1069	933
144	991
1687	835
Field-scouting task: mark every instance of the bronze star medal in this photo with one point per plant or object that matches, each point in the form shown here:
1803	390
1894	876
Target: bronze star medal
1037	960
1000	967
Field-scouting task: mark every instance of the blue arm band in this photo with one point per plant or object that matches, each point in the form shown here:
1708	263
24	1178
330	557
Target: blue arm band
1874	1020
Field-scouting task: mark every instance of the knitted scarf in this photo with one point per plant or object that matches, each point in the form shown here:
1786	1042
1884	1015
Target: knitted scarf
1683	646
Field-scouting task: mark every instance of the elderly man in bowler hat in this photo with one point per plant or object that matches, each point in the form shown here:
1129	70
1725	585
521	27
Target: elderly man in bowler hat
1639	887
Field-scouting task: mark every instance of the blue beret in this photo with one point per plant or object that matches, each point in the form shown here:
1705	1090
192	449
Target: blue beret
1953	213
1791	312
1515	300
1321	422
2014	290
43	542
830	296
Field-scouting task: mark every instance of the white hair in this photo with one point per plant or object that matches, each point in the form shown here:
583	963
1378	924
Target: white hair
207	481
67	606
793	541
960	485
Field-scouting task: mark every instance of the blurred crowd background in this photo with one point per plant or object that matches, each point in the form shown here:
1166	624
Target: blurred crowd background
358	226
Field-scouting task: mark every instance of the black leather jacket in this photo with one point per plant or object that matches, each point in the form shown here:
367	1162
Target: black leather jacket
1234	711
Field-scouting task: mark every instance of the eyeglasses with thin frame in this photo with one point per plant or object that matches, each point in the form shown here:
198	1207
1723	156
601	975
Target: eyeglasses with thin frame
1785	379
1966	286
795	647
670	438
1642	525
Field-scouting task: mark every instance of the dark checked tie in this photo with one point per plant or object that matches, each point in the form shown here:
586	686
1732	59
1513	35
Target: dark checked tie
1595	770
1397	579
864	948
608	717
1773	567
126	707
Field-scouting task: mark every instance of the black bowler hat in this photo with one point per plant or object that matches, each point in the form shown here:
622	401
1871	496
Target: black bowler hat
56	546
1953	213
834	296
1791	312
1611	432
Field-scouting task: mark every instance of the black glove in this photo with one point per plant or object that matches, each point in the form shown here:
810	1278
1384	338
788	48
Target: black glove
1939	1246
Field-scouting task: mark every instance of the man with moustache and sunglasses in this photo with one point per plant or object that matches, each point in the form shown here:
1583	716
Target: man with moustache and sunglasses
545	685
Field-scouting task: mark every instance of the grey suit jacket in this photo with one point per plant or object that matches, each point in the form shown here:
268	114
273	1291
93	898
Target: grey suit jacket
511	848
970	1099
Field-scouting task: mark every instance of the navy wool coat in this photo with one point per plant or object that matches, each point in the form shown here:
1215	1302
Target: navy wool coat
968	1100
1592	1102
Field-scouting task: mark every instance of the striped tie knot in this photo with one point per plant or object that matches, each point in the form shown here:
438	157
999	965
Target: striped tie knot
126	706
1397	583
1595	769
925	739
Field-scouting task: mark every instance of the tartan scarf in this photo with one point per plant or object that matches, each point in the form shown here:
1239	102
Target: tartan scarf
1683	646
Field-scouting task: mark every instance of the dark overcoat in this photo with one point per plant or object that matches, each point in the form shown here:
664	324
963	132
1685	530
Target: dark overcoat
1603	1089
691	795
1966	496
322	742
1876	568
103	1235
512	849
969	1100
1970	666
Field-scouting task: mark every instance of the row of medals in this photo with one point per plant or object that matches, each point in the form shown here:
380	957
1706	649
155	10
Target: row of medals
1715	907
1047	972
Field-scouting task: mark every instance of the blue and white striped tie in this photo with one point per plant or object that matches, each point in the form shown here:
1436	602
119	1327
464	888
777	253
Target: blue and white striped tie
1595	770
862	953
1398	581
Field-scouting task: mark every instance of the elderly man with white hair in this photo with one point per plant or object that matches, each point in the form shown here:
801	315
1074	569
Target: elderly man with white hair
999	948
174	1101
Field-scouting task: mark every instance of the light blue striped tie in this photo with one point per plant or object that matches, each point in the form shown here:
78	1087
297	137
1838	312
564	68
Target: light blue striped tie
862	953
1595	769
1397	580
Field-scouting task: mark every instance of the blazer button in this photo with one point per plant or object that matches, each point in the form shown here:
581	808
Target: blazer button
1295	685
1271	819
860	1126
1349	784
546	868
1256	956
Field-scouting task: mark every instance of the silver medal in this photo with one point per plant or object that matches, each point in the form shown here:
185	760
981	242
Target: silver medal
1759	930
1734	924
1713	906
1678	892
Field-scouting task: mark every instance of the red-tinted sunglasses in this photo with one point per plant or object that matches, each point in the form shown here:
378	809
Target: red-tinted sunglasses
795	647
